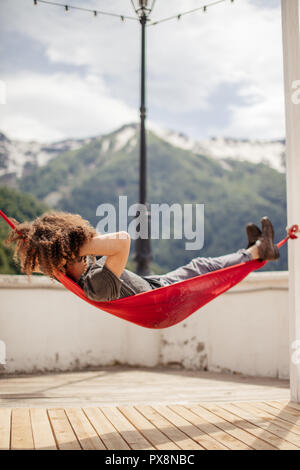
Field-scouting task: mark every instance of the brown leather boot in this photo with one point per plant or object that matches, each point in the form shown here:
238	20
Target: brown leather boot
253	234
267	250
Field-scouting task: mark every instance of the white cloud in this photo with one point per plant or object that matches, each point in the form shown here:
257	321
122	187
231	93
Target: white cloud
187	61
52	107
235	44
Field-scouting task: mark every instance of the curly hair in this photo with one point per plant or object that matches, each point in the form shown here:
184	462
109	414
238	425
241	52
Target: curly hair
50	242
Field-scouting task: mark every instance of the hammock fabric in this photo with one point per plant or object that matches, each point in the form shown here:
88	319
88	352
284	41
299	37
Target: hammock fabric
169	305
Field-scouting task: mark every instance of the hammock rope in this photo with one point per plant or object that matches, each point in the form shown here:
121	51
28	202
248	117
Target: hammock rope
169	305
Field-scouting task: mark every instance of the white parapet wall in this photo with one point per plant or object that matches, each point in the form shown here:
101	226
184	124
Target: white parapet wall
46	328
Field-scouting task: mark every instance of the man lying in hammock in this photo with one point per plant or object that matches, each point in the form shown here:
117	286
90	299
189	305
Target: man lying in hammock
60	241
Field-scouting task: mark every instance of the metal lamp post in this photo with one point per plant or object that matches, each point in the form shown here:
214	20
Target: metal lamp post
142	254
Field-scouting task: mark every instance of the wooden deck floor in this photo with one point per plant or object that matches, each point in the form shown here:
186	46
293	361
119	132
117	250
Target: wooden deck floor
270	425
130	408
135	386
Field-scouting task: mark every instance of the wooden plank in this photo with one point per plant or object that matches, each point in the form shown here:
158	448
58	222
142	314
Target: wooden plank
281	413
64	434
130	434
241	438
21	432
206	442
289	441
263	429
149	431
174	434
292	404
277	404
5	420
41	429
265	416
85	433
255	425
66	390
228	442
286	408
106	431
256	440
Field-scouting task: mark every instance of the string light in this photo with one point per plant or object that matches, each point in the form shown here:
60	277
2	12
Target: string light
94	12
178	16
123	17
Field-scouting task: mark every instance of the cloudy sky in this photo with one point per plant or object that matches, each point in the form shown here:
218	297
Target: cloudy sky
70	74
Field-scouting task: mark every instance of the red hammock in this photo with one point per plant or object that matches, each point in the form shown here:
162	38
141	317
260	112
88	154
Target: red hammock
169	305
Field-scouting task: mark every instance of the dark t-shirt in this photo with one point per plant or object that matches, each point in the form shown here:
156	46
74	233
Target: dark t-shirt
101	284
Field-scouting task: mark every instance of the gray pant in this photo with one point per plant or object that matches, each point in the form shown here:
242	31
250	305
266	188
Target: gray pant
199	266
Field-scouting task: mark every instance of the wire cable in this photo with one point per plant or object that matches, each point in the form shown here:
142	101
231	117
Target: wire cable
68	7
133	6
152	6
188	12
95	12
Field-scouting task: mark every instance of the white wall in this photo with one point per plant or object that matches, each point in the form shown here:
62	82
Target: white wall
47	328
244	330
291	62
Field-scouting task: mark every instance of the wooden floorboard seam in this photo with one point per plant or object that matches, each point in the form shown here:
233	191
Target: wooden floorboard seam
265	425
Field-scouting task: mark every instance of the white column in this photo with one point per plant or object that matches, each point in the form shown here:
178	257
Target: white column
291	60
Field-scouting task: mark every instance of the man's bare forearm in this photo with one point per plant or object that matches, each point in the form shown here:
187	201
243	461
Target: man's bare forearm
115	246
105	245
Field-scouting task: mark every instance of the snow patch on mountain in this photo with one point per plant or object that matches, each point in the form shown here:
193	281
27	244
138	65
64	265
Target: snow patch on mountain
105	145
271	153
124	136
16	155
17	158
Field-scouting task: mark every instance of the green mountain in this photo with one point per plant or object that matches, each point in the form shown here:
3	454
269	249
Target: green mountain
234	192
21	207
